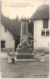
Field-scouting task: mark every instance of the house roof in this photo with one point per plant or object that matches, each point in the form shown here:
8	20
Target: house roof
14	26
42	12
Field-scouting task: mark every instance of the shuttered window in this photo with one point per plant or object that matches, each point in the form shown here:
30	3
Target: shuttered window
43	33
47	32
45	23
3	44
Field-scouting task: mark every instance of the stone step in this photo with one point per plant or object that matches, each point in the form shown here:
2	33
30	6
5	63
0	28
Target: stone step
21	60
25	56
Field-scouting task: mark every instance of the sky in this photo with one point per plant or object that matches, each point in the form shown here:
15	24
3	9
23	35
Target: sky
21	8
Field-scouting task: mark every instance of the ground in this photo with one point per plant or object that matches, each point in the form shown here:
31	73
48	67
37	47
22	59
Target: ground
33	69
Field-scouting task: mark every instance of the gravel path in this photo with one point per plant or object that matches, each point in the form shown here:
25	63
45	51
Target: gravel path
34	69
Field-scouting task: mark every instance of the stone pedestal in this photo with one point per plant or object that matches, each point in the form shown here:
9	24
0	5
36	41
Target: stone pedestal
24	49
42	57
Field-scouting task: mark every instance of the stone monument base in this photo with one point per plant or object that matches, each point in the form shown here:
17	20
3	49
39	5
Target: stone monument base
24	51
25	56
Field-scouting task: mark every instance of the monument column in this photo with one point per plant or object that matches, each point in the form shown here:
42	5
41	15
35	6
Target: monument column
24	30
24	49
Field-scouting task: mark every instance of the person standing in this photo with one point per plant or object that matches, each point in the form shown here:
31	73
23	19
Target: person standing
13	56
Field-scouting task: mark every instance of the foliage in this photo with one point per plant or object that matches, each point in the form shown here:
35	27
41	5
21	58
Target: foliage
13	25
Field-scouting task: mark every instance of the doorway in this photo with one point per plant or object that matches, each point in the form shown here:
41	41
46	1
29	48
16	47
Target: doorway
17	41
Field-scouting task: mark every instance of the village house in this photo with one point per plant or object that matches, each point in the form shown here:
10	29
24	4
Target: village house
41	31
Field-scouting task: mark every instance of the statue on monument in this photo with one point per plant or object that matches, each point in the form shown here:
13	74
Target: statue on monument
25	39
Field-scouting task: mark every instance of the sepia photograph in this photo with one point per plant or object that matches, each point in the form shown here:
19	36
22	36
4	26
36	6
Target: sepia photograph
24	39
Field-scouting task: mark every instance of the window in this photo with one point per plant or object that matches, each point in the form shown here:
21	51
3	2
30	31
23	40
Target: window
43	33
3	44
45	23
47	33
